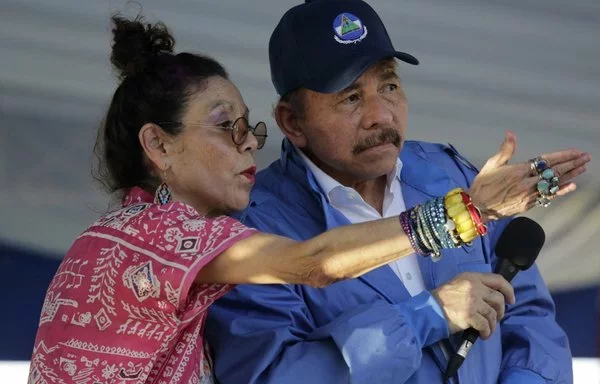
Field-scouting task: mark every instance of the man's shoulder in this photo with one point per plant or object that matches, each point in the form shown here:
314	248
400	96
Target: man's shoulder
283	203
274	184
424	146
429	148
444	157
443	154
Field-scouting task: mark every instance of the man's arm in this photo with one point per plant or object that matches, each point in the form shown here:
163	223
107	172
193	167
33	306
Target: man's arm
266	334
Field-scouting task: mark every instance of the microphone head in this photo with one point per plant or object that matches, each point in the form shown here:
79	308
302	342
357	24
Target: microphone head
521	242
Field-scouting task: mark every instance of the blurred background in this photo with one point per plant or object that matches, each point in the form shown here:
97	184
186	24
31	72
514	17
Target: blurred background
486	67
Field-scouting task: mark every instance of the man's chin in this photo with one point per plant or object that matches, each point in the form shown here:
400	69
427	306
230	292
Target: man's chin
381	167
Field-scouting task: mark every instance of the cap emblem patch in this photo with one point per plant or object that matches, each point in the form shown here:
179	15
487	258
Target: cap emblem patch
348	29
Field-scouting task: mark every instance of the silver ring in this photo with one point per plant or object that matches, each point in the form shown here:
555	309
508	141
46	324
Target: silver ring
542	201
537	165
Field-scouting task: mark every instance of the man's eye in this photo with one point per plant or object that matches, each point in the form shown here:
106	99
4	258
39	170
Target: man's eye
390	87
351	99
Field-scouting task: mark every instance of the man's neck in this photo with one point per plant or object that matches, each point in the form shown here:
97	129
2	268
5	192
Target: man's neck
372	192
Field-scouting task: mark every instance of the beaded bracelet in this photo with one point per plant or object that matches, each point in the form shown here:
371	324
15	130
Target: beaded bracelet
442	223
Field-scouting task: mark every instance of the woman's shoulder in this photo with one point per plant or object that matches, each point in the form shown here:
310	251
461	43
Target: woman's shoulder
172	230
139	212
162	247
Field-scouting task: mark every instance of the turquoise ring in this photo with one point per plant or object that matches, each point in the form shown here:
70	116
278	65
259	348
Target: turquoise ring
547	186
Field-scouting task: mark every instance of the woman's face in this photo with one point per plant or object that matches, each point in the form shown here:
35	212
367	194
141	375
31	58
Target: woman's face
207	170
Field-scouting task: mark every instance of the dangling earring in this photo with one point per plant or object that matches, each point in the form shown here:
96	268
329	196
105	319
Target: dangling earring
163	192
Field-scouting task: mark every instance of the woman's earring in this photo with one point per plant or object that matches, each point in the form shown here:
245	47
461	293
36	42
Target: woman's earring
163	193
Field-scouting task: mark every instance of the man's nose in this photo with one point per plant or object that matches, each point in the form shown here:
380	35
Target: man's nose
377	112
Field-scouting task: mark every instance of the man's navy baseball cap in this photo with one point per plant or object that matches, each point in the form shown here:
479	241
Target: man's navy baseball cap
325	45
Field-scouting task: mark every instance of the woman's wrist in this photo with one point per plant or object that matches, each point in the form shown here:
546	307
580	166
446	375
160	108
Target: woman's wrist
485	214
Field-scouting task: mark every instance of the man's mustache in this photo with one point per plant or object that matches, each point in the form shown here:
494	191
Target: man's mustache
384	136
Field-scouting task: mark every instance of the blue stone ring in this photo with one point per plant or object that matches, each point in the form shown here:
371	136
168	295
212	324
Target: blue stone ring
538	165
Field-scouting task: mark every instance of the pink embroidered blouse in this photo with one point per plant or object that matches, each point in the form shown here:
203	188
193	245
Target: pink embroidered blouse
123	306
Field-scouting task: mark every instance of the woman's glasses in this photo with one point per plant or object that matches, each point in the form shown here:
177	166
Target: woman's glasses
239	130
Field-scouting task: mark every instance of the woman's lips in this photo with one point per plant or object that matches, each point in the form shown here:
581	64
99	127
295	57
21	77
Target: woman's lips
250	173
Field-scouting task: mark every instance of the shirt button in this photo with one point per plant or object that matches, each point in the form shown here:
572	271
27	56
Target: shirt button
408	276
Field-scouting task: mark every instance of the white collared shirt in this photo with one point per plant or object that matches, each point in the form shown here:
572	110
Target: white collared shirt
349	202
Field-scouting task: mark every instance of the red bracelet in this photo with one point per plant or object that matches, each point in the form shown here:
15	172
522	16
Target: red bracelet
475	215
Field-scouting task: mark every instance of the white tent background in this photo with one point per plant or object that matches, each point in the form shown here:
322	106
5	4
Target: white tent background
530	66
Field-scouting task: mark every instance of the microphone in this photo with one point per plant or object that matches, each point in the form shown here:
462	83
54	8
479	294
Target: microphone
517	248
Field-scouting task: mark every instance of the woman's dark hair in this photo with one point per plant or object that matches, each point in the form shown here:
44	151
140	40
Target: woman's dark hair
155	87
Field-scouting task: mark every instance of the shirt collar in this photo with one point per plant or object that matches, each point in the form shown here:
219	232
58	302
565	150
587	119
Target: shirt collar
136	195
328	183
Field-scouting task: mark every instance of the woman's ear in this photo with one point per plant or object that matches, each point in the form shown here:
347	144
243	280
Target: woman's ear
154	142
288	121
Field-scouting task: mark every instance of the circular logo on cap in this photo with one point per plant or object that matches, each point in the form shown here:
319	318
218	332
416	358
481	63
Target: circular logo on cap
348	28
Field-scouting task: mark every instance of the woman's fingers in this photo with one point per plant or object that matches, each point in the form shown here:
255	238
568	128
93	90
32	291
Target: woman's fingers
563	156
566	173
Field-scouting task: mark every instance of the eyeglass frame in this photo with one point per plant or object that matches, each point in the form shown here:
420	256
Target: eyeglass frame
233	128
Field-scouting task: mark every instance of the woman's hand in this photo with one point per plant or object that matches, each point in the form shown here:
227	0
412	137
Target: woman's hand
501	189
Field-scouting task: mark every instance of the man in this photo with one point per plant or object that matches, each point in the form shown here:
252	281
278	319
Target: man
343	113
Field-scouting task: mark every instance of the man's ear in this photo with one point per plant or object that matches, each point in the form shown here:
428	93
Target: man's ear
154	142
289	123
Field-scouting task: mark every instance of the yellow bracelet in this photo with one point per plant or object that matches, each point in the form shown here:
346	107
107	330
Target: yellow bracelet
454	191
469	236
463	218
455	210
460	215
463	223
453	200
464	227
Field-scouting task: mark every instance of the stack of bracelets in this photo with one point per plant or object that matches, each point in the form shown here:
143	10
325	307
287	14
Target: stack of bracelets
442	223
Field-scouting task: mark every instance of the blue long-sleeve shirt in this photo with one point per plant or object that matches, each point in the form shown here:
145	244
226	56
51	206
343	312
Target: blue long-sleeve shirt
369	329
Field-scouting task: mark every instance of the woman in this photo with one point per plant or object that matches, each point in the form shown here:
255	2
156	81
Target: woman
129	300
